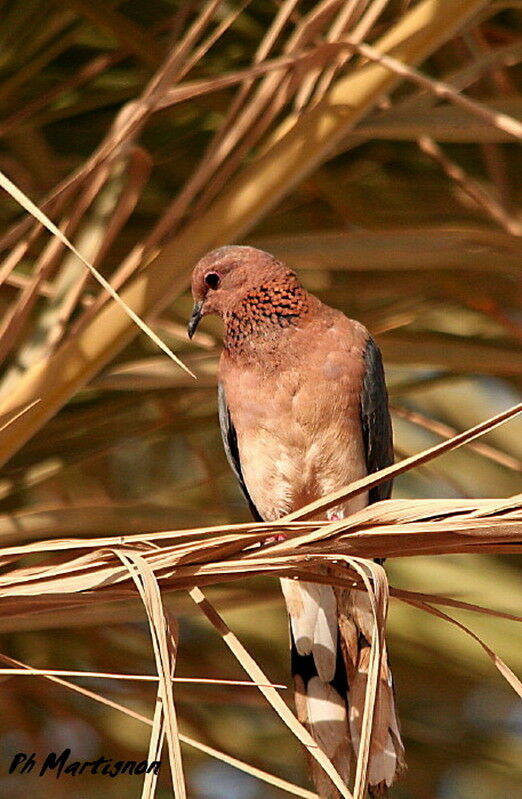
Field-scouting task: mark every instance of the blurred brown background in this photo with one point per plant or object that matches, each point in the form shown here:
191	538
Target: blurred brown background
410	222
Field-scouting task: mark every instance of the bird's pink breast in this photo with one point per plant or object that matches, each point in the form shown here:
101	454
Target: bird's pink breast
298	426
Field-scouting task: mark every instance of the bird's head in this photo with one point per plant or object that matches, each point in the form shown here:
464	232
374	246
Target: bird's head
224	276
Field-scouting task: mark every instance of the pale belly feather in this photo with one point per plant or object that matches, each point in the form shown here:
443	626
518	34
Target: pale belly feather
284	472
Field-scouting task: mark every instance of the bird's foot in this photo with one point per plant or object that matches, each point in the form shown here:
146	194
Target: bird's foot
334	515
274	539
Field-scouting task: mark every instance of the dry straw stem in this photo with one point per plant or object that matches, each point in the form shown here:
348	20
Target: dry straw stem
441	90
256	673
375	583
444	123
165	721
44	220
444	430
471	187
257	189
102	675
499	663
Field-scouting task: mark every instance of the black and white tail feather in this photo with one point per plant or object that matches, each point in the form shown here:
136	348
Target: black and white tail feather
330	631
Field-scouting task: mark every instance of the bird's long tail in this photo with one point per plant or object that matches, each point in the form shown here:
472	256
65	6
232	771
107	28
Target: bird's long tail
330	632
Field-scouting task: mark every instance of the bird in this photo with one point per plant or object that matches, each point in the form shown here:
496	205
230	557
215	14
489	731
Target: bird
303	411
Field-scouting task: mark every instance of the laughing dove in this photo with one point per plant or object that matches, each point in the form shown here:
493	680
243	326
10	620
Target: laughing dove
303	411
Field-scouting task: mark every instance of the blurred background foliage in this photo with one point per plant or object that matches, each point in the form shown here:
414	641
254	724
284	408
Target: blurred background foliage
420	241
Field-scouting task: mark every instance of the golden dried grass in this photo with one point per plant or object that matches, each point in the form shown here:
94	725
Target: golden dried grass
291	111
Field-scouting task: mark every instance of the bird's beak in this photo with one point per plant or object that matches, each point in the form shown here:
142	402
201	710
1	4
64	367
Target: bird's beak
197	313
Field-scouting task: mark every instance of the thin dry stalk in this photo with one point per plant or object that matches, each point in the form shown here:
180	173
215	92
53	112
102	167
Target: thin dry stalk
29	206
471	187
358	34
165	646
506	672
440	90
445	430
137	174
256	674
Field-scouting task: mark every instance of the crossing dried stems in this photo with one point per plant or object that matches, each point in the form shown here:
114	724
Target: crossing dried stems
165	137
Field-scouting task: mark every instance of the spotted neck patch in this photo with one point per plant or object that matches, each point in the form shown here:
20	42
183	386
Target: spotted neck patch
265	310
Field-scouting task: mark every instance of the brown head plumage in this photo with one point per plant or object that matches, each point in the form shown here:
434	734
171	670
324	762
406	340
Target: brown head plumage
250	289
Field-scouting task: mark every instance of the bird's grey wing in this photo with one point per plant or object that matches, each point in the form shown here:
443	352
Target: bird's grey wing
375	417
229	436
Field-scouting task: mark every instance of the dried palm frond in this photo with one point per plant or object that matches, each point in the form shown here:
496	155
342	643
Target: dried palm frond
380	137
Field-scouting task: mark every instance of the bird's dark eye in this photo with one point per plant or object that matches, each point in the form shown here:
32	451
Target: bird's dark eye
212	280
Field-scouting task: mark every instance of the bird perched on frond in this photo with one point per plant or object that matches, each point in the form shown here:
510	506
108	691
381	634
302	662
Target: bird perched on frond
303	411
